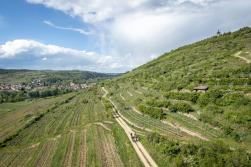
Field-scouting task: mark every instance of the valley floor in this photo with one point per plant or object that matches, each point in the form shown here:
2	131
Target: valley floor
70	130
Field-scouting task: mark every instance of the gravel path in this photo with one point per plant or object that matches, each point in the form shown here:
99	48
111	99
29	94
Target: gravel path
243	58
142	153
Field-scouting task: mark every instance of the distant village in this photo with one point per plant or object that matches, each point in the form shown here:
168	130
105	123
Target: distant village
39	85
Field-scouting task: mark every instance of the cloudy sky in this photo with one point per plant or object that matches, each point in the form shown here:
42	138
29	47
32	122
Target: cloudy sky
108	35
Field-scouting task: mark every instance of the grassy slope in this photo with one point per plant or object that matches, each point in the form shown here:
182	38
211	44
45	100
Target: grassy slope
222	113
202	62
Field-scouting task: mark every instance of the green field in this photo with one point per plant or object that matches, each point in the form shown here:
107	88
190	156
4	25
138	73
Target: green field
69	130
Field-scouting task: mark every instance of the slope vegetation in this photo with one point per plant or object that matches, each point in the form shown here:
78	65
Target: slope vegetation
183	127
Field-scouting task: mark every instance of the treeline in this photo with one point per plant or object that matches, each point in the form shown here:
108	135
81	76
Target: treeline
215	154
15	96
47	93
7	96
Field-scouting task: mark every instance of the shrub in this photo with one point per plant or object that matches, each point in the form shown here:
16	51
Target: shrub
210	97
234	98
214	153
193	97
12	96
214	109
85	101
181	107
158	103
152	111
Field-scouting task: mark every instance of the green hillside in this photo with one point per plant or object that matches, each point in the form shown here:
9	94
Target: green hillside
193	128
19	76
211	61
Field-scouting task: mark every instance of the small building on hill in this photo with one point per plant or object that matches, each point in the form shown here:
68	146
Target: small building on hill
201	88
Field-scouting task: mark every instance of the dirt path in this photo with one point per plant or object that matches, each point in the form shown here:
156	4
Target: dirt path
243	58
183	129
116	158
128	121
137	111
83	149
45	155
104	126
130	94
144	156
111	158
122	97
108	122
188	115
107	159
106	92
69	153
138	92
34	145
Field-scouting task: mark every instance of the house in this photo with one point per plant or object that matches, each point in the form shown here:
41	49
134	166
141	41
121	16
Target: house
74	86
201	88
84	86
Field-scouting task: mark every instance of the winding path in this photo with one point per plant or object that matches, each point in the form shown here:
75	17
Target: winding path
241	57
142	153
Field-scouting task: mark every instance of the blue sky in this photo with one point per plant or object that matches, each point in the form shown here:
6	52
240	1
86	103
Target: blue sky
25	21
108	36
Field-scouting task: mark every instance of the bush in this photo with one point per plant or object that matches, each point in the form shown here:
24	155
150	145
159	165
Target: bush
158	103
234	98
210	97
152	111
214	109
181	107
206	117
193	97
47	93
214	153
12	96
85	101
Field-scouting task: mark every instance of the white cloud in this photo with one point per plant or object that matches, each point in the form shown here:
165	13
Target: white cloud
79	30
92	11
22	46
36	55
44	58
133	32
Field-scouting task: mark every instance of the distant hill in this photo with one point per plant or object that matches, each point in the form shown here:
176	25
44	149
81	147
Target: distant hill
18	76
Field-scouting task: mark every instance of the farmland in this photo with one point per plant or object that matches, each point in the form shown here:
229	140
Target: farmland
69	130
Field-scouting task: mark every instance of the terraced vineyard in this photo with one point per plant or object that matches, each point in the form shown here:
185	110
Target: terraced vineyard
70	130
181	126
